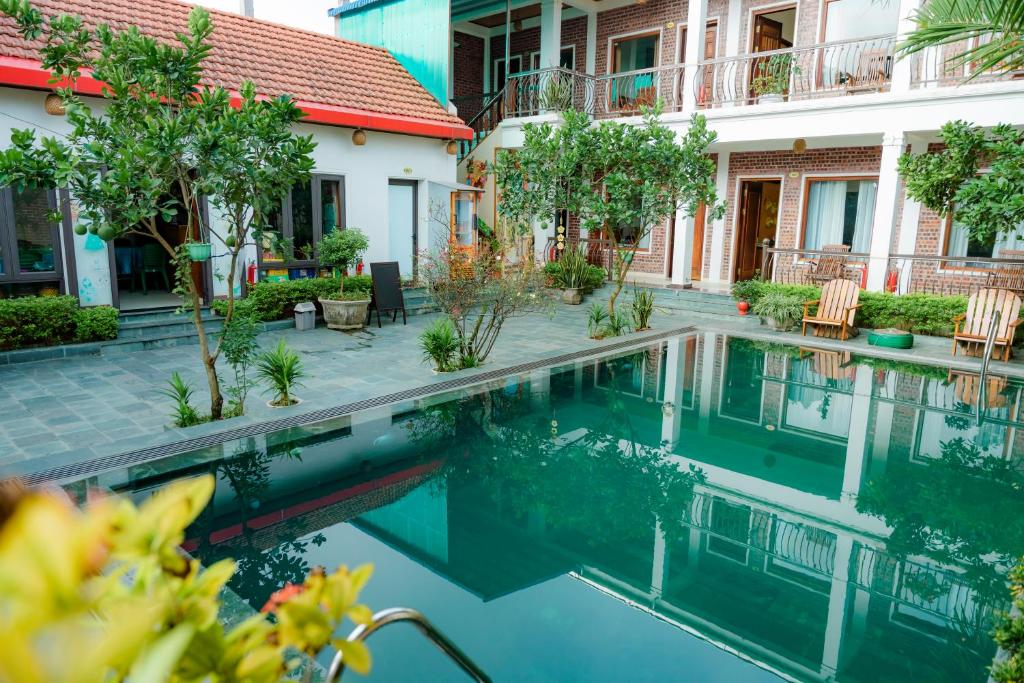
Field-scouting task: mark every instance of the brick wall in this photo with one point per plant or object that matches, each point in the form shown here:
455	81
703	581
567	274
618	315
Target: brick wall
779	164
469	74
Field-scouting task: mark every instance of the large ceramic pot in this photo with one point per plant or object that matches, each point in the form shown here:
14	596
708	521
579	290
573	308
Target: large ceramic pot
572	296
784	325
345	315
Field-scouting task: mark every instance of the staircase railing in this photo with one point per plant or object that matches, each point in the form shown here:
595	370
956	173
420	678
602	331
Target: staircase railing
400	614
490	115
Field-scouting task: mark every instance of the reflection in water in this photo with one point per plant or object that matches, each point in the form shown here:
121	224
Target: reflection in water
823	516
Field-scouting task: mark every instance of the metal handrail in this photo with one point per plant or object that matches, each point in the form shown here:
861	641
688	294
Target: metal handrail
986	357
400	614
795	48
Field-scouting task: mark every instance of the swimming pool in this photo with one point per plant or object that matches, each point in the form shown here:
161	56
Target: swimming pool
707	509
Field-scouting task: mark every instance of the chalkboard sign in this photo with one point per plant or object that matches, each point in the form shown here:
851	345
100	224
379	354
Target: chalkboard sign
387	291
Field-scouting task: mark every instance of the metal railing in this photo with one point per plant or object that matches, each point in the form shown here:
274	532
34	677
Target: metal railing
627	93
468	106
841	67
551	90
812	266
404	614
483	123
936	67
947	275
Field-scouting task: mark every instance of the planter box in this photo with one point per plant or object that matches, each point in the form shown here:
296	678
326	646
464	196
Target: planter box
345	315
891	339
573	297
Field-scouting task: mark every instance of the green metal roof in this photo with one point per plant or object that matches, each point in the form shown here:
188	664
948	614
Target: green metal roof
458	7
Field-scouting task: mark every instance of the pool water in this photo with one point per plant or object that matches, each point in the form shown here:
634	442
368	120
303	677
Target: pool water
706	509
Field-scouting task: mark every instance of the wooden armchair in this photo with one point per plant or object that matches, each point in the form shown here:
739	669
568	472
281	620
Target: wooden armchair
836	310
970	329
828	267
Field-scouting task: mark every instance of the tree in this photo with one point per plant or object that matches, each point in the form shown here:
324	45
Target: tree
610	175
159	145
988	32
978	178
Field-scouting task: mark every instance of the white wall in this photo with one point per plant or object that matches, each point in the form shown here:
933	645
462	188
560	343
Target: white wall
366	169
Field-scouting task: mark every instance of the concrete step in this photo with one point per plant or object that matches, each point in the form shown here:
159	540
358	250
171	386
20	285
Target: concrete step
170	325
170	335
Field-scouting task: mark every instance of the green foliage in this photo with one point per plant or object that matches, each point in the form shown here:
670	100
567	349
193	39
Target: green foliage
281	368
593	276
608	174
159	130
557	92
572	268
618	324
267	301
238	344
772	77
343	249
747	290
110	588
49	320
642	308
921	313
180	391
782	307
1009	633
596	318
440	344
96	323
985	34
989	204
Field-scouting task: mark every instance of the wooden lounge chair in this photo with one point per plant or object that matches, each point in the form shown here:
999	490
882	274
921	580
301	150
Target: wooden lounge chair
1008	275
970	329
967	389
836	310
834	365
828	267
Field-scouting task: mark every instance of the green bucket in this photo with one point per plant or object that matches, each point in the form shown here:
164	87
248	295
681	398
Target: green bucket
891	339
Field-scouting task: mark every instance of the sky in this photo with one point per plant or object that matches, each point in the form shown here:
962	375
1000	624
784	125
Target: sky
308	14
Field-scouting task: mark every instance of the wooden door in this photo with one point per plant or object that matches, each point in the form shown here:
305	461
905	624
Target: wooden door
697	260
706	87
746	230
767	36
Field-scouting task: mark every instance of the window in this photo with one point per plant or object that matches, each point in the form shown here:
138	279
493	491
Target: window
499	70
858	62
636	53
851	19
840	211
310	210
29	247
959	243
633	235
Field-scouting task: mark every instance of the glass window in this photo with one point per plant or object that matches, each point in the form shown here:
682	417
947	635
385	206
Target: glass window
330	200
632	54
302	220
463	218
567	58
959	243
633	235
629	93
847	19
840	212
33	231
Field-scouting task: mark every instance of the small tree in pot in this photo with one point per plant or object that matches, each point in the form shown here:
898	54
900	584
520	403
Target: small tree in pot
342	249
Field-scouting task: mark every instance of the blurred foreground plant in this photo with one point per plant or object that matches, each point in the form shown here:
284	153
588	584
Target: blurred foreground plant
106	594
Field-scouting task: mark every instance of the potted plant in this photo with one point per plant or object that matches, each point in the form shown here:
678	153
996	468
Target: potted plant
773	77
198	251
571	276
343	249
782	309
744	292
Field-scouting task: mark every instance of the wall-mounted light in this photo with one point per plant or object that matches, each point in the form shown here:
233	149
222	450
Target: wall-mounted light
53	105
799	145
359	137
452	147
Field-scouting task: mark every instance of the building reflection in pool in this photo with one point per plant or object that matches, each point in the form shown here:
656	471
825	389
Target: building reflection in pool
821	515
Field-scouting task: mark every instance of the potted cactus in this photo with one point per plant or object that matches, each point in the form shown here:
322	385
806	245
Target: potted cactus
343	249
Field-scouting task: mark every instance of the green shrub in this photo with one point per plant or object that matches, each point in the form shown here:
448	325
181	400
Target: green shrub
747	290
593	276
98	323
440	344
281	369
781	307
921	313
50	320
180	391
276	300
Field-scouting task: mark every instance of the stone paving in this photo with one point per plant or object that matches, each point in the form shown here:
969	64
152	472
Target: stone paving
70	410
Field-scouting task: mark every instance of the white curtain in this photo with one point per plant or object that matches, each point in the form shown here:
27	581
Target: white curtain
865	216
958	242
826	209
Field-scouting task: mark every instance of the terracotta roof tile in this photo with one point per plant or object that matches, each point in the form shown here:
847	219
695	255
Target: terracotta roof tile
310	66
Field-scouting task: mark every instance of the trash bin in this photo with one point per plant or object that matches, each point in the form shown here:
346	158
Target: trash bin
305	316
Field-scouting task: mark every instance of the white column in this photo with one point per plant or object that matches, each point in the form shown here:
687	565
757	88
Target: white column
660	560
672	421
732	29
901	70
886	209
907	243
718	226
707	381
857	441
837	602
682	250
591	62
696	18
550	33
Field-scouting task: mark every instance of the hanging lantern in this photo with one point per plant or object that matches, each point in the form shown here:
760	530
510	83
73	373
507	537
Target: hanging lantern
799	145
452	147
359	137
53	105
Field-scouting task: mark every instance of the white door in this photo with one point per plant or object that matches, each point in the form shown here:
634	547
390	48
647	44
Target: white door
402	224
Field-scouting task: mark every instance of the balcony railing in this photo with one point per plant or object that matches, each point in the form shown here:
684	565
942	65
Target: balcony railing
548	90
842	67
947	275
627	93
812	266
932	68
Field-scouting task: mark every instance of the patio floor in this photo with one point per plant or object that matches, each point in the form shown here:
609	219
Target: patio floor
71	410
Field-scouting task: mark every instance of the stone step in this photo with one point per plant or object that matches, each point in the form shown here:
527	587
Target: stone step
159	338
154	328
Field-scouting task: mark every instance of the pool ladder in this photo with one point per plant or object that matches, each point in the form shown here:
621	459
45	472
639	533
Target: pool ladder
399	614
986	357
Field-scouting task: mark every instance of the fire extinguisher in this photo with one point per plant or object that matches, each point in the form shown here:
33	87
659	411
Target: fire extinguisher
359	268
250	273
890	281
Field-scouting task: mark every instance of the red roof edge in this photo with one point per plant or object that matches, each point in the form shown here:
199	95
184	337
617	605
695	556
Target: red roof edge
27	73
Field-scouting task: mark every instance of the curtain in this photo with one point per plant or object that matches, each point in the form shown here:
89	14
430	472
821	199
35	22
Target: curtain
865	216
826	208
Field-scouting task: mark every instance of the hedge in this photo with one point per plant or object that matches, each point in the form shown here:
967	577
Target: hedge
51	320
921	313
276	300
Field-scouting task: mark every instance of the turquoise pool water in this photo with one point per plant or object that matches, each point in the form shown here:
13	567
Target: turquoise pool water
707	509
